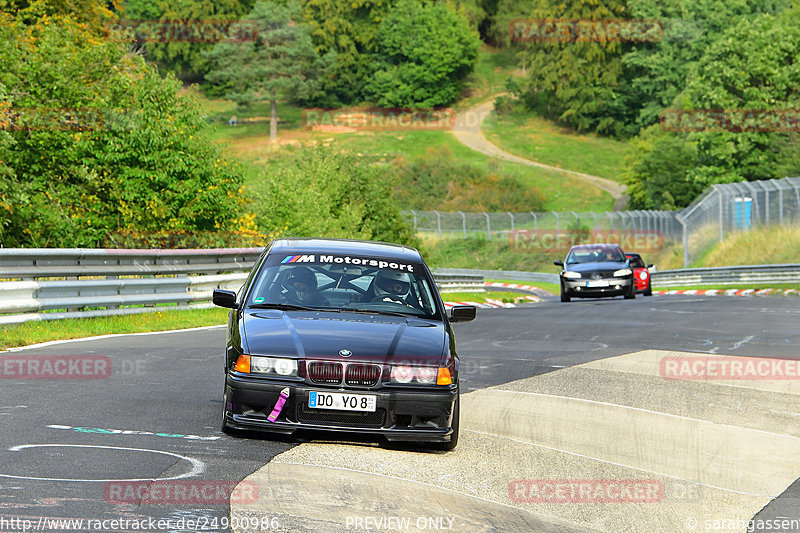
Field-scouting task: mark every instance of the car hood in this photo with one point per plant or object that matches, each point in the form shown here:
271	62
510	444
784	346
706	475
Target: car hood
369	337
595	267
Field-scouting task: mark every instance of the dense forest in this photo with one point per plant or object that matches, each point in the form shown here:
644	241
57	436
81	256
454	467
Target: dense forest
96	137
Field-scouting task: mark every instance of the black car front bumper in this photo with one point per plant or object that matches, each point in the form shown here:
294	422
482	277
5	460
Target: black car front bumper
401	414
616	287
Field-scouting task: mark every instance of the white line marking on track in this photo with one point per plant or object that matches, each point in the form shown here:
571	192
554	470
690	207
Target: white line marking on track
198	466
618	464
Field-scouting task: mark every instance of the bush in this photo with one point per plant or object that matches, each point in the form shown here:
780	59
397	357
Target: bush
134	157
424	52
321	193
438	181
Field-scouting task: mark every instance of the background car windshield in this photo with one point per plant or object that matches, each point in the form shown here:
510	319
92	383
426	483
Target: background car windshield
345	287
596	255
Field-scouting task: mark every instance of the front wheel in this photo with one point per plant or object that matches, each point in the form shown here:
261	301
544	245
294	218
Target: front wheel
564	295
631	293
649	290
448	446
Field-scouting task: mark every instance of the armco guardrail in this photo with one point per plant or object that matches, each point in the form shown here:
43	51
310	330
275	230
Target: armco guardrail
753	275
34	290
515	275
35	263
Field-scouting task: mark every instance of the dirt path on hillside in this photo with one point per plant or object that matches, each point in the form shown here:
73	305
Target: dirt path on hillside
468	131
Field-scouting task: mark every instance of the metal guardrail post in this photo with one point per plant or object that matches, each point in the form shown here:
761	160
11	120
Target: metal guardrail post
685	242
721	229
488	227
463	223
556	214
535	223
438	223
512	219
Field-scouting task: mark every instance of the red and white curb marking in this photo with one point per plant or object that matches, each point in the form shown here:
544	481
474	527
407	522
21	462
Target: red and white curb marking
497	304
731	292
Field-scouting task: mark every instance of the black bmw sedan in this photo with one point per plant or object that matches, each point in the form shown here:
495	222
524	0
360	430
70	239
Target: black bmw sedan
342	335
596	270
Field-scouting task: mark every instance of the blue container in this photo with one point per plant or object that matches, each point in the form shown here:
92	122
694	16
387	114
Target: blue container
742	212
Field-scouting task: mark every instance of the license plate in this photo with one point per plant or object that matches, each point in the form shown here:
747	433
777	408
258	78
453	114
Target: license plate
341	401
598	283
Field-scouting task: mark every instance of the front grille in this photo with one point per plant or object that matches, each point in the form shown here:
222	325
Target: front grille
362	375
325	372
340	418
602	274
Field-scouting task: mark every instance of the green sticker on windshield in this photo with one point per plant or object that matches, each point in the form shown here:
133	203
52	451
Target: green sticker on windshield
259	300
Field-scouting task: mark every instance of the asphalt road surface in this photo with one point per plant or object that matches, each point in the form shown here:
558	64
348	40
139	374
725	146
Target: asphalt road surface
79	448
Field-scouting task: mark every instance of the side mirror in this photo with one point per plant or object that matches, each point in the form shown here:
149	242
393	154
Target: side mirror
462	313
224	298
558	263
649	266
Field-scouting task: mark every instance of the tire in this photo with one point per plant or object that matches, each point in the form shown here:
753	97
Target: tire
632	293
649	290
224	425
564	295
449	446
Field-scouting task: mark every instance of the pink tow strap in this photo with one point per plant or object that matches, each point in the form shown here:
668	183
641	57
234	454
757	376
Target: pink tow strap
273	416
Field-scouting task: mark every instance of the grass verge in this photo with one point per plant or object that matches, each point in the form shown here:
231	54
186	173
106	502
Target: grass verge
13	335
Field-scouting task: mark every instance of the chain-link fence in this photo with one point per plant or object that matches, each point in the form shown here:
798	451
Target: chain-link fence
719	210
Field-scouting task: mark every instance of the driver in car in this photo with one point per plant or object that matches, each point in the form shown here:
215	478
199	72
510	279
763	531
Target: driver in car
391	286
301	288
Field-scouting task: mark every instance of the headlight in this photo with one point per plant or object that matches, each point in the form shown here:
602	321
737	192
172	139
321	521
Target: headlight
623	272
402	374
424	375
273	365
643	274
571	275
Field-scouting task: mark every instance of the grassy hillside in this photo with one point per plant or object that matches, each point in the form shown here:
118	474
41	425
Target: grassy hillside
527	135
249	142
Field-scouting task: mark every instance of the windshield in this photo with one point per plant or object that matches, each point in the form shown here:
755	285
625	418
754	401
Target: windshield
360	284
595	254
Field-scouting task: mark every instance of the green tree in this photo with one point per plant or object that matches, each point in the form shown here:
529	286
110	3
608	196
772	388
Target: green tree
657	169
328	194
579	83
100	142
424	52
752	66
658	71
348	30
184	57
282	60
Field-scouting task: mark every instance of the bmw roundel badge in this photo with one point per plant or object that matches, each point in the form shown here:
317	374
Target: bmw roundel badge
345	353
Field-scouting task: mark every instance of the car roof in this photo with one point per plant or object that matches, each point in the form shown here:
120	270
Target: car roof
595	245
633	254
346	246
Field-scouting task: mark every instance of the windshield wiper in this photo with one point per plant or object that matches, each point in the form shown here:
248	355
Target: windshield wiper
375	312
284	307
